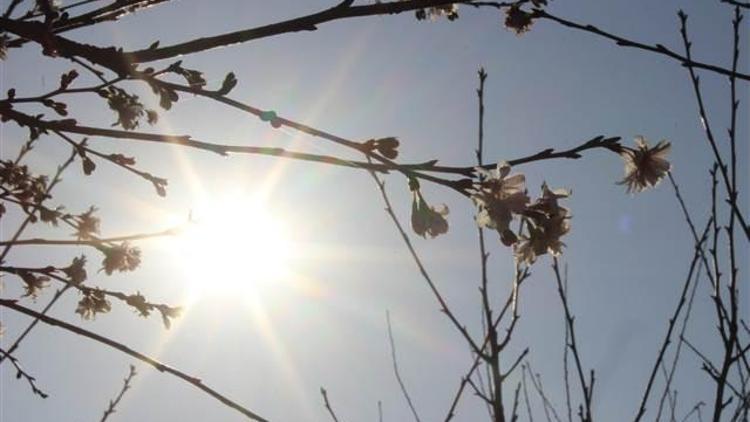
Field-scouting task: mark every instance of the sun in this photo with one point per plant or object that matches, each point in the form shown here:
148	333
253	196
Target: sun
233	247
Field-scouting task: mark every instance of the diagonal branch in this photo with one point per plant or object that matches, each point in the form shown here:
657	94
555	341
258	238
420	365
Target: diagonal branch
197	382
624	42
21	373
401	384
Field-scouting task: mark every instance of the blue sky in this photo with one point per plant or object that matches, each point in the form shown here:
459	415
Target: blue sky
368	78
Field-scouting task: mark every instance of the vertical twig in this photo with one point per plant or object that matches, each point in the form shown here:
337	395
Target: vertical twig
707	127
536	381
587	388
566	372
327	404
526	394
125	387
668	336
401	384
514	412
683	330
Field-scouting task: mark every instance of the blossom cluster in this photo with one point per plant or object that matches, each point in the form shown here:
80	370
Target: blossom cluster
501	197
426	220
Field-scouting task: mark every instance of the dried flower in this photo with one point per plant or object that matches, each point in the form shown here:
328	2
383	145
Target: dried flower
426	220
138	301
34	283
168	313
546	222
387	147
120	258
88	224
76	271
497	198
128	107
23	185
644	166
50	216
449	11
93	302
517	20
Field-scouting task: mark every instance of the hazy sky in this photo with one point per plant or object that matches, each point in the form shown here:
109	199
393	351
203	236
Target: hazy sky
325	326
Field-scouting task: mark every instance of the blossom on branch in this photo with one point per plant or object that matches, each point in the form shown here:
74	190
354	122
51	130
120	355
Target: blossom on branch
449	11
88	224
76	271
426	220
517	20
644	166
93	302
120	258
497	198
546	222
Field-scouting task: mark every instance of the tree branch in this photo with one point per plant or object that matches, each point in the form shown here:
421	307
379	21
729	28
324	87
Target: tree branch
198	383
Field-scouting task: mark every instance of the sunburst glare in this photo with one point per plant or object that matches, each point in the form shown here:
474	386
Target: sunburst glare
233	247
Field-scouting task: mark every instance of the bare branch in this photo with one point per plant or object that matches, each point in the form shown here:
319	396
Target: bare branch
197	382
20	373
327	404
125	387
401	384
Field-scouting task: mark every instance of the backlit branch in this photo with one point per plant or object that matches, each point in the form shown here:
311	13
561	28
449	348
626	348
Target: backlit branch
161	367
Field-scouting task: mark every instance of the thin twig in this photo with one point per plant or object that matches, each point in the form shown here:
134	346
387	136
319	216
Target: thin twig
422	270
21	373
536	381
566	372
526	394
327	404
401	384
624	42
707	128
587	389
464	380
125	387
27	330
683	330
197	382
672	320
94	243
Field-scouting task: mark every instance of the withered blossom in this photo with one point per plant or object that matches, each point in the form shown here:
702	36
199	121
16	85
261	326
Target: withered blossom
50	216
426	220
22	184
120	258
517	20
93	302
387	147
138	301
546	222
168	313
88	224
33	283
449	11
644	166
76	271
497	197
